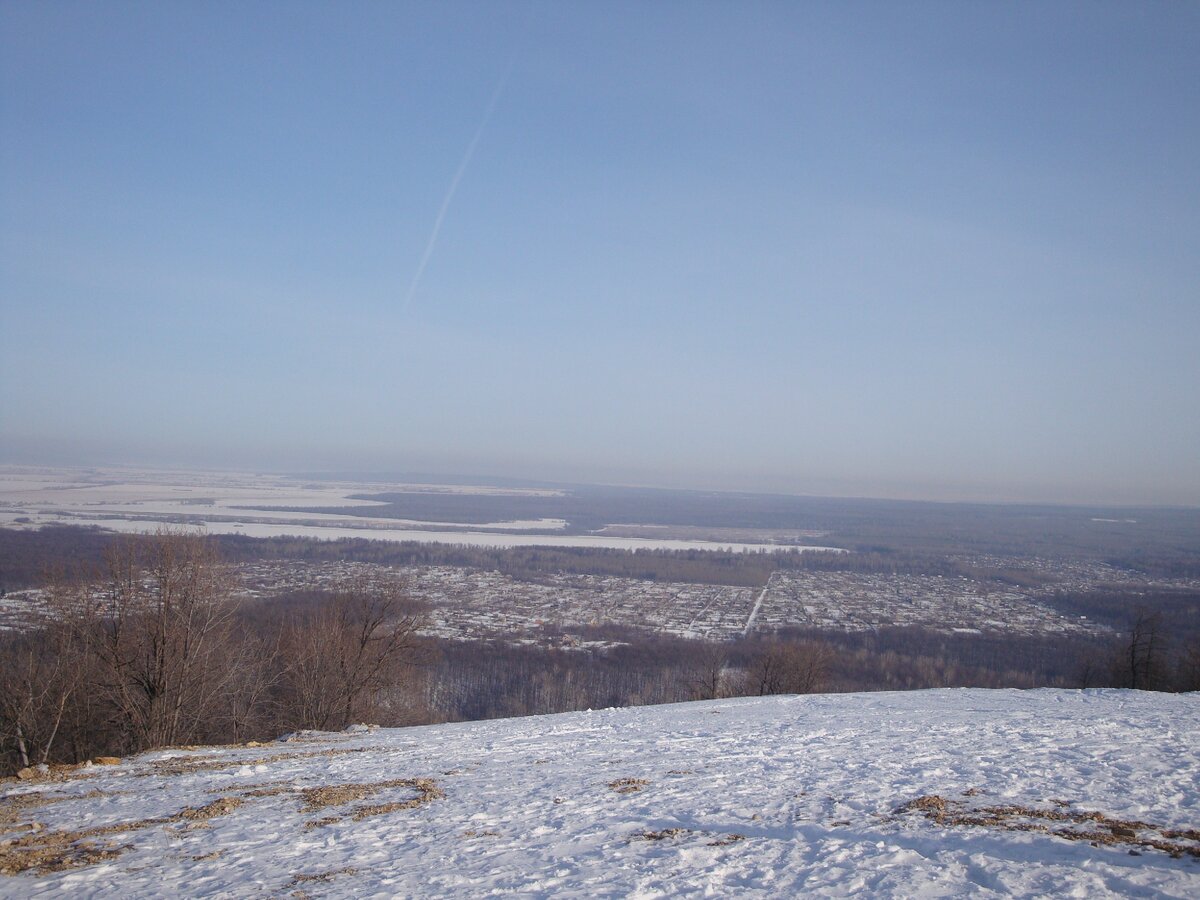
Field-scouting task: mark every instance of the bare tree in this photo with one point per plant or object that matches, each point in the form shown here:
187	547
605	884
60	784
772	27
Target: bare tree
343	659
40	674
788	668
1144	654
248	707
1092	671
1188	674
707	675
157	631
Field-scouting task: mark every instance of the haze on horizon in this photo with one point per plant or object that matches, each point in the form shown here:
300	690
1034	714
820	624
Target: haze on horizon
925	250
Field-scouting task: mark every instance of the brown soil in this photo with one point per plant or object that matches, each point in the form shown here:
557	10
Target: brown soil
670	833
14	806
340	794
302	878
727	840
187	766
1060	821
56	851
219	807
321	823
56	772
661	835
627	785
269	791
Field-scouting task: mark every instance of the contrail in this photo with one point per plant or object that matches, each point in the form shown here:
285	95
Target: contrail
462	167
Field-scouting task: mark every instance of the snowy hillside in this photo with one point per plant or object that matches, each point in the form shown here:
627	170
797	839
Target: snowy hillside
941	793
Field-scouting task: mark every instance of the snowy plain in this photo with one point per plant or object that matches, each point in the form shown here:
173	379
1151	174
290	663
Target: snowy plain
820	795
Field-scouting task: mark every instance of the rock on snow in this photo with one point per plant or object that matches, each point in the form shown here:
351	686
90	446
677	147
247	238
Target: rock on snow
918	794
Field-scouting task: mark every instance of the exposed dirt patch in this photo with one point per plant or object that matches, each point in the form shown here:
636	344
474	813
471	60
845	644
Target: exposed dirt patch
54	772
728	840
426	791
668	834
271	791
180	765
340	794
321	823
214	762
55	851
1183	834
337	794
219	807
627	785
662	835
1059	820
307	878
14	807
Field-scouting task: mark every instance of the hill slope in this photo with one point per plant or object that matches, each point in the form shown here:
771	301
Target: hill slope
936	793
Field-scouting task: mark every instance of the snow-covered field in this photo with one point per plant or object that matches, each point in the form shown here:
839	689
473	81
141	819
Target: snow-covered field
924	794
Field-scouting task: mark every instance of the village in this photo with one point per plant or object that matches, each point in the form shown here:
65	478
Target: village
476	604
470	604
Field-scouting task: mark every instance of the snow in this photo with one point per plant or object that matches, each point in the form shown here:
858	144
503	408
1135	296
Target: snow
751	797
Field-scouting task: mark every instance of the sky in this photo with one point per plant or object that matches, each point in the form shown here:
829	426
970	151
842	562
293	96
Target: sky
928	250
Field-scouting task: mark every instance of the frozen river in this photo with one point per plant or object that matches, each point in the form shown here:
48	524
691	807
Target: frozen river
136	500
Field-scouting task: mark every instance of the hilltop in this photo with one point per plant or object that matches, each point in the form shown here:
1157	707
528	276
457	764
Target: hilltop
930	793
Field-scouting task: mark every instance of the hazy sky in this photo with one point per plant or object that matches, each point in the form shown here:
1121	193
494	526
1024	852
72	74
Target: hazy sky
945	250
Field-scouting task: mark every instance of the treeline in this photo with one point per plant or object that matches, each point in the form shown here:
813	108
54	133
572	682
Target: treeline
487	680
1179	609
1176	562
30	558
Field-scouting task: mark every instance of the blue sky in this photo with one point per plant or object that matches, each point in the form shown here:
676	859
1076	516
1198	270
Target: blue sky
934	250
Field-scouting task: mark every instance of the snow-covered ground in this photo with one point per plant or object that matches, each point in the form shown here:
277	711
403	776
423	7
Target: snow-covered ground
924	794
